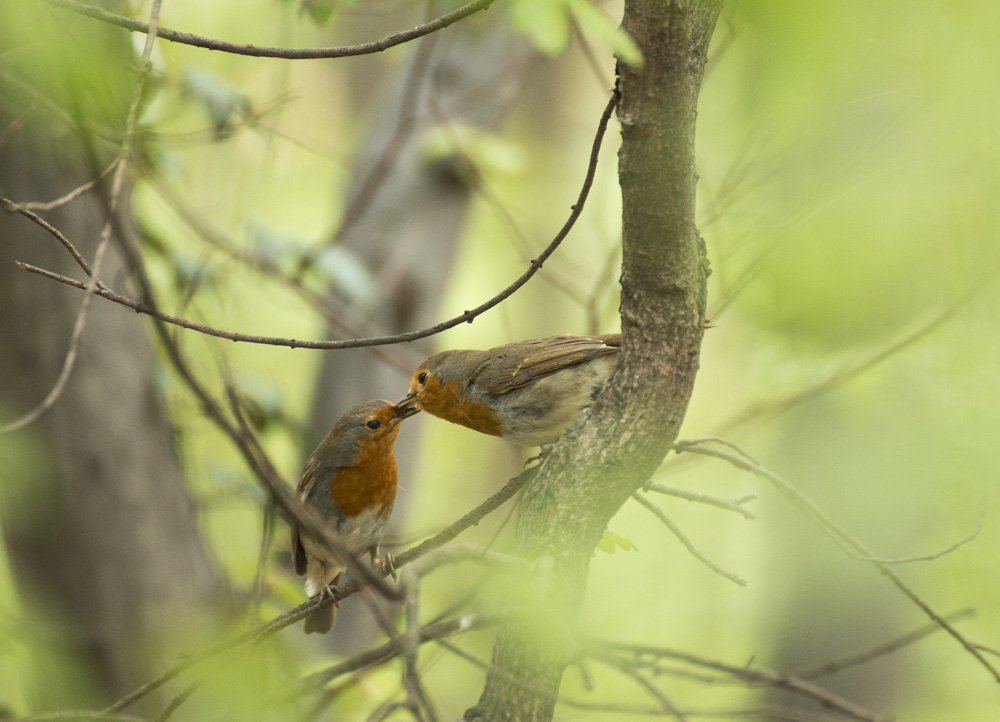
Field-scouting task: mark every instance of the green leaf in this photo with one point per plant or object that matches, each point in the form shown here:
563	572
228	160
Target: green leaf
592	20
610	542
545	22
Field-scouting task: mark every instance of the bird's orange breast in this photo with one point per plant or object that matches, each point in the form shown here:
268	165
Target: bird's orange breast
448	401
370	481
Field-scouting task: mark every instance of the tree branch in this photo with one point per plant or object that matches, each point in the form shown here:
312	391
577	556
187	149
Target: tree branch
852	546
466	317
376	46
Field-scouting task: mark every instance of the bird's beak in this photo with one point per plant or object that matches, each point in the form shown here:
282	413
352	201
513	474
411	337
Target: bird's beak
403	410
409	397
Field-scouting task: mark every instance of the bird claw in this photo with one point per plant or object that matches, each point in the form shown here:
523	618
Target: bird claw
328	589
389	562
543	452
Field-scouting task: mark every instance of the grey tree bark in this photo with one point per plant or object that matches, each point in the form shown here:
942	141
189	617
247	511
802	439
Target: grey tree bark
603	460
101	534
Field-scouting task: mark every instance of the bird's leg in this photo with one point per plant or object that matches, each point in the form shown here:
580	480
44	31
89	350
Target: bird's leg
388	561
329	587
543	452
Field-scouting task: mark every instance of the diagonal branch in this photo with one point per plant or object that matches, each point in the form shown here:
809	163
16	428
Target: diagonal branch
852	546
143	306
267	629
623	655
667	522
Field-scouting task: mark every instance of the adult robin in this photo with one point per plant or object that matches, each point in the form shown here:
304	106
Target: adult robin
350	481
528	392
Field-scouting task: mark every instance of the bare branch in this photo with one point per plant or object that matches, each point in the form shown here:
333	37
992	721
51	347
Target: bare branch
12	207
177	701
390	650
645	655
376	46
834	531
651	688
935	555
728	504
466	317
881	650
417	698
687	542
72	195
470	552
79	716
71	355
841	377
471	519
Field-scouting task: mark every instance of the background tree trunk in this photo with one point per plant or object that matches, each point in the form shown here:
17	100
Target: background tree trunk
101	535
592	472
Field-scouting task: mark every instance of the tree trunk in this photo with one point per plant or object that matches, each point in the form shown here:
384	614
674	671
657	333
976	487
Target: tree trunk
602	461
101	535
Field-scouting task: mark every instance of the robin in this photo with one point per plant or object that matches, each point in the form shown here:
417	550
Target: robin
528	392
350	481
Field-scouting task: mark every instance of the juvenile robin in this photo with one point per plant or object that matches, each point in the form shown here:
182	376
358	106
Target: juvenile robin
528	392
350	481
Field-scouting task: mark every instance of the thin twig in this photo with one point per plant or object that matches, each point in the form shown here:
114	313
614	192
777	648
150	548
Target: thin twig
466	317
69	361
935	555
471	519
343	51
687	542
12	207
416	694
606	650
728	504
880	650
390	650
337	317
72	195
177	701
74	715
843	376
367	188
834	531
651	688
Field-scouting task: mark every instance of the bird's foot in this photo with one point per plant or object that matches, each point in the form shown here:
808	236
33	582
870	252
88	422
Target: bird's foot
388	561
543	452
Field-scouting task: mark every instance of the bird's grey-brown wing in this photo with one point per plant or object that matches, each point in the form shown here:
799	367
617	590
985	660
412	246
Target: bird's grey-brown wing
544	357
305	485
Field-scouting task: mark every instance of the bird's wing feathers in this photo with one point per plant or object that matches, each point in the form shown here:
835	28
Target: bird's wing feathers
306	482
543	358
298	553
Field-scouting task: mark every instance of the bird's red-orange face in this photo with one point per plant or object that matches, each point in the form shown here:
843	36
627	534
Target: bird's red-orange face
446	397
425	386
382	424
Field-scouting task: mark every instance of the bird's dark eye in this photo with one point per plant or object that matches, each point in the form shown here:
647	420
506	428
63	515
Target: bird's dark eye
422	378
373	424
